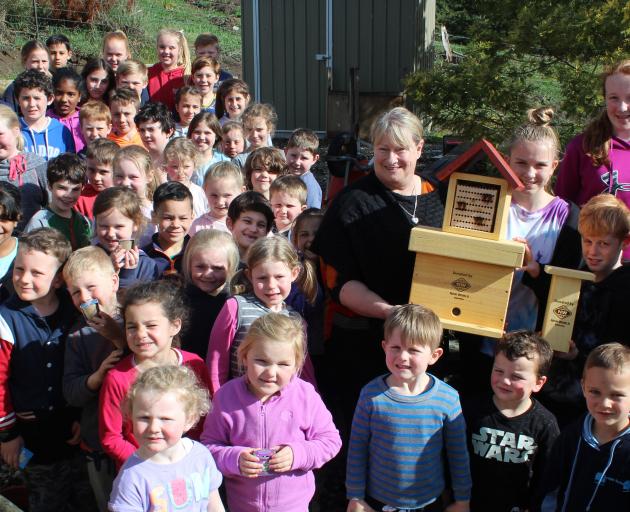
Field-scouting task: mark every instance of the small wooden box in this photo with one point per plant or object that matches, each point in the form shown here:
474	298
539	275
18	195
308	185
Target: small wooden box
466	280
564	294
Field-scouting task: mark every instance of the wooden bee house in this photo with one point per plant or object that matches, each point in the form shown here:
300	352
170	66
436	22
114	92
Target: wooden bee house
464	271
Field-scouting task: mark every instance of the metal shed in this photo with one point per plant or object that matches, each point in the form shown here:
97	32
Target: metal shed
309	57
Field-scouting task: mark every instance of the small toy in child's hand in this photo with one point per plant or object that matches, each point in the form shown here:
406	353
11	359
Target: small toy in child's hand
90	309
264	454
127	245
25	456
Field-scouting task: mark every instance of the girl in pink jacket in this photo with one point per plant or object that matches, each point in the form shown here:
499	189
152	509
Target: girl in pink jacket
269	429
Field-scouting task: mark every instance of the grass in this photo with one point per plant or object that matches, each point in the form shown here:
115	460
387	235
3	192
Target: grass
141	25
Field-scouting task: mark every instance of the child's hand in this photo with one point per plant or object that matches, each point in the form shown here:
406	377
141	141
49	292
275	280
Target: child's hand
96	379
458	506
107	327
10	451
118	258
282	460
248	463
132	257
359	506
530	265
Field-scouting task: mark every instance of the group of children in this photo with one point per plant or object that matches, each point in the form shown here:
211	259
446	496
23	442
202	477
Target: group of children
164	260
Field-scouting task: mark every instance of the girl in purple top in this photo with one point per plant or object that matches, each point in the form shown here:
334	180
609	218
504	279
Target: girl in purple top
269	429
168	471
598	160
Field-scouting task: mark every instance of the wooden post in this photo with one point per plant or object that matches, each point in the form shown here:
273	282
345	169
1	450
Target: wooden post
562	302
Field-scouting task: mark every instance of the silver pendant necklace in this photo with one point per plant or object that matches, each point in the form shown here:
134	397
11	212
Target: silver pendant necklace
414	219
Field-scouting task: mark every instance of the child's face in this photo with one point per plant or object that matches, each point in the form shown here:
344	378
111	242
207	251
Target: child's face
270	366
602	253
235	103
220	193
127	174
35	275
256	131
149	331
306	234
271	281
38	60
94	284
173	220
8	140
299	160
67	97
534	164
286	208
262	179
153	138
179	169
513	382
64	195
59	55
97	83
133	81
210	50
208	269
115	52
122	117
203	137
249	227
159	422
607	394
407	363
33	104
168	51
112	227
617	89
204	79
233	143
188	107
99	175
93	129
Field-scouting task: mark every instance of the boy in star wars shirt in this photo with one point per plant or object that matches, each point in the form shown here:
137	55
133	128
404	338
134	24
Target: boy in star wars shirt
510	434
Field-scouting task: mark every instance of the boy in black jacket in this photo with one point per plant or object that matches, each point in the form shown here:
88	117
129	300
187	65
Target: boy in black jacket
589	467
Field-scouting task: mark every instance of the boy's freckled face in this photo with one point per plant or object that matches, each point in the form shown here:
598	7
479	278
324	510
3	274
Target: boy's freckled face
300	161
64	195
33	104
601	253
607	394
95	129
93	284
514	381
122	117
35	274
249	227
405	361
99	175
59	55
153	138
286	208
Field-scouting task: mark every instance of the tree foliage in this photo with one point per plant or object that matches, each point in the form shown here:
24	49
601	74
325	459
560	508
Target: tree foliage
523	55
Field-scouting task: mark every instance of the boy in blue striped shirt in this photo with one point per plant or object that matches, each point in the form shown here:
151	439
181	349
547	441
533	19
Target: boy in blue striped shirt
404	423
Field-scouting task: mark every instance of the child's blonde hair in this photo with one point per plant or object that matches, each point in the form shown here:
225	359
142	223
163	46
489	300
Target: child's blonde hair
125	200
275	328
278	248
50	241
224	170
132	67
181	147
303	139
141	158
400	125
598	134
117	35
88	259
604	215
264	110
179	380
291	185
269	157
417	325
211	239
124	96
94	110
538	129
610	356
184	52
103	151
11	121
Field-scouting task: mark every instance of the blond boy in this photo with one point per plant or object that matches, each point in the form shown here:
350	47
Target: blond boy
301	154
287	196
95	120
134	75
124	104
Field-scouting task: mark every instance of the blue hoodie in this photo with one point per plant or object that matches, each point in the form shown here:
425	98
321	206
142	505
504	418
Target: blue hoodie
50	142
